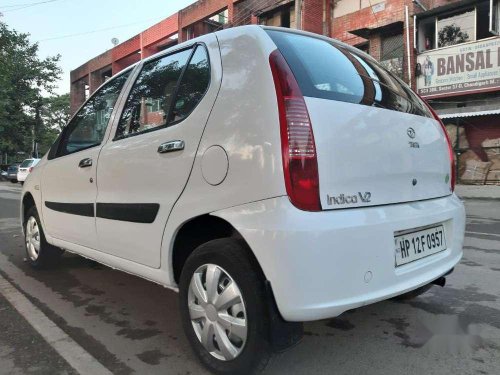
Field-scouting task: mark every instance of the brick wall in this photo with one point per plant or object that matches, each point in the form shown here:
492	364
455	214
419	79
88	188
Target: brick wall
200	10
96	63
161	30
312	16
366	18
244	10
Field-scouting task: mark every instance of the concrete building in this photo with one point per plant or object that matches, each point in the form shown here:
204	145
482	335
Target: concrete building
447	50
375	26
457	51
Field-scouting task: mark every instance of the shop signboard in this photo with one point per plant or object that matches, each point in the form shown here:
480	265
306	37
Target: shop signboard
460	69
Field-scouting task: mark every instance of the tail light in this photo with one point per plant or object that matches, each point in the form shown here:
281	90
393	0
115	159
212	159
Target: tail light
300	164
450	147
29	170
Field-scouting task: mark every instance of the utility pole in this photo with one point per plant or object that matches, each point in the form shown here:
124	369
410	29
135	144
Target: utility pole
298	14
36	126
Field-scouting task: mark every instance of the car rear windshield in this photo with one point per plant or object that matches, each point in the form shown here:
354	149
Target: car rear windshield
332	71
27	163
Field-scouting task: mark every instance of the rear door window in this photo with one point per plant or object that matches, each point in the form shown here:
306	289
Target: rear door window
193	85
27	163
165	92
151	96
332	71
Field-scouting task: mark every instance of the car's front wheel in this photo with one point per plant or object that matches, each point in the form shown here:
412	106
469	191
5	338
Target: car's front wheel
39	253
223	309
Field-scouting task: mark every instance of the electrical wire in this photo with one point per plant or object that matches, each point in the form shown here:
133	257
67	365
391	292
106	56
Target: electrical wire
373	12
98	30
24	5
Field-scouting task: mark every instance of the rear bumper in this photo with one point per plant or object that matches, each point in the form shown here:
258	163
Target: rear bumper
22	176
321	264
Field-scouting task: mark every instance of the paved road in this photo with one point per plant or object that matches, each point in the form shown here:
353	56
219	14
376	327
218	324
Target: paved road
132	326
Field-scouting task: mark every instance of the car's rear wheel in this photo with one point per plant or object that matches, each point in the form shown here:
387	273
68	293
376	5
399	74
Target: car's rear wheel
39	253
223	309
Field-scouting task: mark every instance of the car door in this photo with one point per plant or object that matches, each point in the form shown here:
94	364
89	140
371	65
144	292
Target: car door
69	185
143	171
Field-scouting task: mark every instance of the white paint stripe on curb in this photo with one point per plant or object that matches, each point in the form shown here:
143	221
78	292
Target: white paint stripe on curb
73	353
484	234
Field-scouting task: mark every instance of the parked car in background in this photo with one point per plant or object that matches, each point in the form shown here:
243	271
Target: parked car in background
25	169
278	177
12	172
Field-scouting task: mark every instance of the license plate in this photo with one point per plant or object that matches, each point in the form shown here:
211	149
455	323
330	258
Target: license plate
419	244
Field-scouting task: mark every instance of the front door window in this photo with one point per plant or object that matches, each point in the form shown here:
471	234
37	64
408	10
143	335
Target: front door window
88	126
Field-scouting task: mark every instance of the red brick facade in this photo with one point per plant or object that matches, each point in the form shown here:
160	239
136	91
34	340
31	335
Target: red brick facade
192	21
365	27
312	16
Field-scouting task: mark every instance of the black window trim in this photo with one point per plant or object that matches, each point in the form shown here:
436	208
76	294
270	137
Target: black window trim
54	149
194	47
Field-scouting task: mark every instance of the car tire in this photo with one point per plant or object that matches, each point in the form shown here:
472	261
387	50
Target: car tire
236	273
39	253
13	181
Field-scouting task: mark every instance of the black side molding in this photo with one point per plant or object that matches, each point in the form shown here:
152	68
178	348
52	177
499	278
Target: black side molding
81	209
133	212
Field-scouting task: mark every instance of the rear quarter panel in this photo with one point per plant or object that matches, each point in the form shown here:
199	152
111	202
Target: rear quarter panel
244	121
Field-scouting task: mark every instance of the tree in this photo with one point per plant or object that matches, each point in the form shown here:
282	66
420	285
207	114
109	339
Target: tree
450	35
56	112
23	79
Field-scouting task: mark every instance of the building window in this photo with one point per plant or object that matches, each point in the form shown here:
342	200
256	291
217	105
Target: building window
427	34
365	47
391	54
494	21
221	18
461	26
456	28
283	16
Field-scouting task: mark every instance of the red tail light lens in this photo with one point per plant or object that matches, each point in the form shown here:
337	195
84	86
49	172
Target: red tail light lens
450	147
300	164
29	170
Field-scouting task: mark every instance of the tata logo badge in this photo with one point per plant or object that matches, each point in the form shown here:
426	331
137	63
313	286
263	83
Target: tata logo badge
411	134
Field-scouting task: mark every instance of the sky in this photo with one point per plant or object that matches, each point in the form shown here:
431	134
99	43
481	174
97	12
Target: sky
53	23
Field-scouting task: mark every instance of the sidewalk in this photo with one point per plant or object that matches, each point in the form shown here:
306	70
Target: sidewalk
478	191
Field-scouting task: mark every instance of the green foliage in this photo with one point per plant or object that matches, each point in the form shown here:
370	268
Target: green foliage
24	77
450	35
56	111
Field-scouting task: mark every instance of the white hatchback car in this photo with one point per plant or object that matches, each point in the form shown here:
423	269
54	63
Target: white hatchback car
270	176
25	169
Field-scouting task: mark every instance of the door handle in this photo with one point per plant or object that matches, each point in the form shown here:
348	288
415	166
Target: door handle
84	163
171	146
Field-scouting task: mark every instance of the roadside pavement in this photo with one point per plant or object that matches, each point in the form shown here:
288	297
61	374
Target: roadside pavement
478	191
130	325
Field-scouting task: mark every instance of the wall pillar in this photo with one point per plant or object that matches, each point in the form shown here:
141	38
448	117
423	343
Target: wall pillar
77	96
230	12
